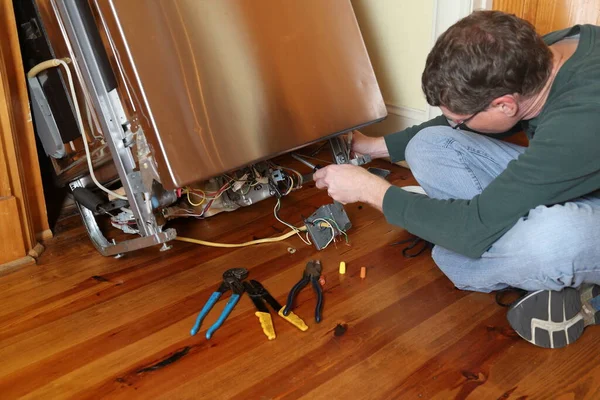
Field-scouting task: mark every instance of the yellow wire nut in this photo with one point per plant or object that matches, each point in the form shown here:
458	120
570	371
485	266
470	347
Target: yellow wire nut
342	268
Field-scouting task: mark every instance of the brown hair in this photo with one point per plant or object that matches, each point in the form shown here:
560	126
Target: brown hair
485	55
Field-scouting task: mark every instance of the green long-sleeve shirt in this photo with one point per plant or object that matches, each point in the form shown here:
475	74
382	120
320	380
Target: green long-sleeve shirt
561	163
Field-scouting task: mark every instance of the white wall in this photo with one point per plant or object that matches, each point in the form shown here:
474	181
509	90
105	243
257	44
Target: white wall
398	36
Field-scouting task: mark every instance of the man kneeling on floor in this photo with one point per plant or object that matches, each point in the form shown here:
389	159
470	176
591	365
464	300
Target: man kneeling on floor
502	215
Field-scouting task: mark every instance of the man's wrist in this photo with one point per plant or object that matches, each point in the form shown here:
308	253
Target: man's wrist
375	192
380	149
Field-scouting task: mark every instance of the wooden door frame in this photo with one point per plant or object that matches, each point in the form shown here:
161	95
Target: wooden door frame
22	203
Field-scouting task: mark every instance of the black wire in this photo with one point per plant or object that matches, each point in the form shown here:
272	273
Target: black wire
314	153
413	243
500	294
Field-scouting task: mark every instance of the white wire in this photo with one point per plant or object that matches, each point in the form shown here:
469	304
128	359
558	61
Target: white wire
330	226
185	215
182	212
85	143
292	227
300	179
90	122
291	186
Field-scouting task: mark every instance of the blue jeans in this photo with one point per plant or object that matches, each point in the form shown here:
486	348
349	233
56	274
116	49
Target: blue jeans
550	248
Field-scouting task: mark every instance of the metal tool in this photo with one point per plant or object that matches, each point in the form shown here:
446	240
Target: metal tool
313	167
312	273
232	280
380	172
341	150
306	162
260	296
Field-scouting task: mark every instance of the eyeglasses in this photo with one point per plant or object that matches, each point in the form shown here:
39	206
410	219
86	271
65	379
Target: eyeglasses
462	124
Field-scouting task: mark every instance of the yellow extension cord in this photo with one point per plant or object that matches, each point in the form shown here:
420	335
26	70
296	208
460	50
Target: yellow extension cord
250	243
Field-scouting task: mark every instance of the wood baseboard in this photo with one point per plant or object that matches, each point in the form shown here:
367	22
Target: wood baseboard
37	251
12	266
45	235
29	259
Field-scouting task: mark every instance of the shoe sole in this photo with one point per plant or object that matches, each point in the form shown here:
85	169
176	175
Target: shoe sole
550	319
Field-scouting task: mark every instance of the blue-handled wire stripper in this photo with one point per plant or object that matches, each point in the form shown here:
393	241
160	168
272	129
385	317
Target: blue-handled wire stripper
232	280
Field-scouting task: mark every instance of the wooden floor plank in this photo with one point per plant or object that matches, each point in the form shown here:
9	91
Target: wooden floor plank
311	357
404	355
79	325
284	281
198	360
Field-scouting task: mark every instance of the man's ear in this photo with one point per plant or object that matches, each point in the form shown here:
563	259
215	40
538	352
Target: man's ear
506	104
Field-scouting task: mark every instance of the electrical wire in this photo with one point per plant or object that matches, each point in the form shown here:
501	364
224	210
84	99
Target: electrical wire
207	195
300	178
330	227
235	179
249	186
292	227
184	213
291	186
245	244
80	124
318	150
219	193
343	232
91	123
294	231
195	194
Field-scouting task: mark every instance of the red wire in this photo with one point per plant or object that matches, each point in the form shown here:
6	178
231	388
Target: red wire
223	188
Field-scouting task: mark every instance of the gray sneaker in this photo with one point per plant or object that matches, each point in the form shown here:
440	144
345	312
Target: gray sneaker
554	319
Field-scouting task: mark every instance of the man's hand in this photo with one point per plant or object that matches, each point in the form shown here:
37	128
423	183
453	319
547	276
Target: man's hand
350	184
366	145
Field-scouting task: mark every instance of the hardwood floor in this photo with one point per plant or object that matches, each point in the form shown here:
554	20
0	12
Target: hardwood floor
82	326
